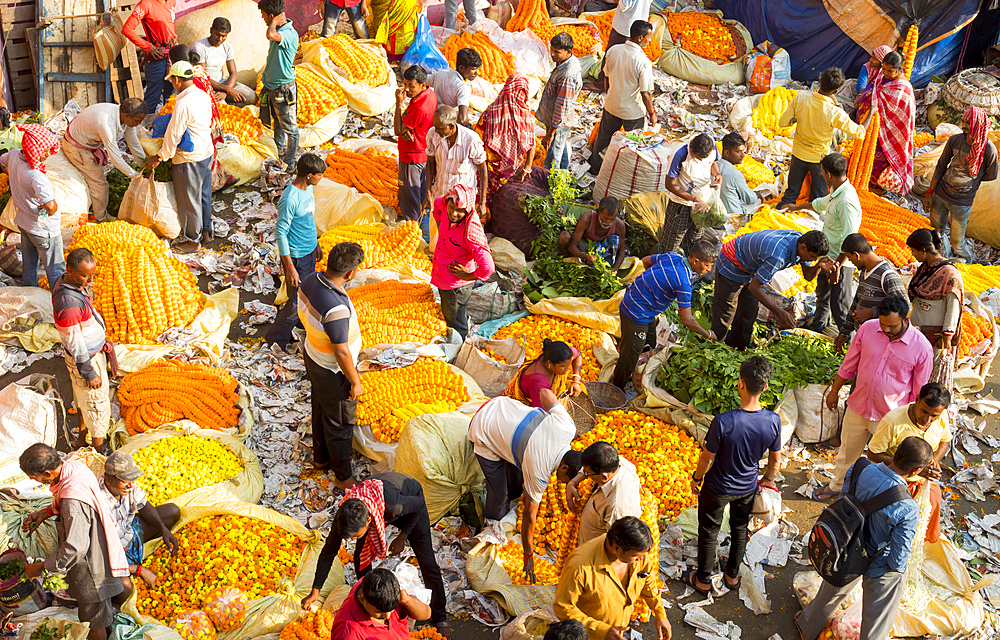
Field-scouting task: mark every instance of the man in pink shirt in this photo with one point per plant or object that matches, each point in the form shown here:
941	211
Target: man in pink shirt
461	256
891	360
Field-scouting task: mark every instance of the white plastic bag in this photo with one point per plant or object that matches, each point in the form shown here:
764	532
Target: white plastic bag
530	625
816	423
491	375
151	204
767	505
28	414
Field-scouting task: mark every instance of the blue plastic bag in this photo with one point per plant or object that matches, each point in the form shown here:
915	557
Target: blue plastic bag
424	51
159	127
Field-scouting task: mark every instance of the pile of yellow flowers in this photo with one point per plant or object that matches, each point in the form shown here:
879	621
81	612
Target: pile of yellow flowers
979	277
363	66
316	96
240	123
511	557
384	248
769	108
703	34
393	396
536	328
755	171
767	217
218	551
179	464
497	65
603	21
139	290
391	312
373	172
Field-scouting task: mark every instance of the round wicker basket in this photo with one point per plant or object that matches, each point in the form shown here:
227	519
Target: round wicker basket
975	88
583	412
606	396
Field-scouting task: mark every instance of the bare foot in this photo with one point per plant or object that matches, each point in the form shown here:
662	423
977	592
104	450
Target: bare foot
344	485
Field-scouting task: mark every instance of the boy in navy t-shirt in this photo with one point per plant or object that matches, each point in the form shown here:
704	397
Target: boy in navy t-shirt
727	474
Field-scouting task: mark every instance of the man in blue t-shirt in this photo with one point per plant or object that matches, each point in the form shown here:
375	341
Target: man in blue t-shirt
295	232
667	278
727	474
278	96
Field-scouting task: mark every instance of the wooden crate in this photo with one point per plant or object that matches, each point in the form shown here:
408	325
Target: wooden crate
67	65
15	17
126	75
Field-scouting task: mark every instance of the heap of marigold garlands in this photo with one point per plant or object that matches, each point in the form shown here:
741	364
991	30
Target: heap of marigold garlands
316	96
975	329
392	312
384	248
362	64
534	329
241	123
178	464
315	625
703	34
170	390
755	172
218	551
769	108
139	290
426	633
534	15
887	227
767	217
498	65
979	277
603	21
373	172
393	396
921	139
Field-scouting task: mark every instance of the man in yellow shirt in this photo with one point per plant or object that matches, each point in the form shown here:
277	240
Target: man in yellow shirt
604	578
816	115
927	419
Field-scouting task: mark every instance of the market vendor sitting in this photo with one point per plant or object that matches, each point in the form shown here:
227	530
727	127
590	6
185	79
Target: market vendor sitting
136	519
601	227
549	371
377	609
384	498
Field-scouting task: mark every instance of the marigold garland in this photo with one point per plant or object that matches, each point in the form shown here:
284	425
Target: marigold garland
769	108
498	65
362	64
534	15
975	329
887	226
603	21
315	625
977	278
910	50
170	390
392	312
384	248
373	172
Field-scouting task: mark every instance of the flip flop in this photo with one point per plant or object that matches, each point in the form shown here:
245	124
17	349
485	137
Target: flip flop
688	578
731	587
826	447
822	494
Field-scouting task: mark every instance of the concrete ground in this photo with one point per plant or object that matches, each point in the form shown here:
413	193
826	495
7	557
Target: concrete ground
729	607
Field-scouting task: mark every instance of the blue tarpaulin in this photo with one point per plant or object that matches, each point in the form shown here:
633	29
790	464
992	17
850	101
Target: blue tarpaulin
814	42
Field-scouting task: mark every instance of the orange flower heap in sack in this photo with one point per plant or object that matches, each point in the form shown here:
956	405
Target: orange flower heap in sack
975	329
226	608
373	172
535	328
497	65
979	277
703	34
887	227
393	396
193	625
317	96
251	555
384	248
529	14
170	390
391	312
241	123
603	22
315	625
586	38
363	66
511	557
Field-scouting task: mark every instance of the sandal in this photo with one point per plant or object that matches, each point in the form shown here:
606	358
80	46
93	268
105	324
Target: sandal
822	494
690	578
731	587
826	447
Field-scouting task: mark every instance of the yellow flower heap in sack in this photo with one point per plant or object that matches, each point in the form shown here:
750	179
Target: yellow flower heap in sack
511	557
534	329
316	96
755	171
218	551
315	625
392	312
979	277
384	248
603	21
767	217
241	123
373	172
363	66
769	108
393	396
139	290
180	464
534	15
497	66
703	34
171	390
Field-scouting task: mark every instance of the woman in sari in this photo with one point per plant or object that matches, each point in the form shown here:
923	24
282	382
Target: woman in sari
395	24
936	292
550	370
893	95
508	132
871	72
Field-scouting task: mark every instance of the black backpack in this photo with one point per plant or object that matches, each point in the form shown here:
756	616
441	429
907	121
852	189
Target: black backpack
836	543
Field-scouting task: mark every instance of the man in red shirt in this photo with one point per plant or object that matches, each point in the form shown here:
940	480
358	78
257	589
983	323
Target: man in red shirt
377	609
411	128
157	19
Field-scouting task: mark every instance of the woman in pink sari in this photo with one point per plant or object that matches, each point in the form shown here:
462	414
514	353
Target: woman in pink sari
893	95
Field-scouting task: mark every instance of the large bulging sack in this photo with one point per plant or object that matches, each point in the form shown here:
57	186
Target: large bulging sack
151	204
633	167
72	194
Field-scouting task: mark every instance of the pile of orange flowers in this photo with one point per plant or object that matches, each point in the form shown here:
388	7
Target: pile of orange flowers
975	329
529	14
497	65
887	227
315	625
316	96
603	21
363	66
511	557
534	329
373	172
170	390
392	312
534	15
703	34
859	169
384	248
426	633
218	551
240	123
393	396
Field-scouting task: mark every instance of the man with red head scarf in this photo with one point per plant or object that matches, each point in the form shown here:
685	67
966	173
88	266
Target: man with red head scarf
968	159
35	211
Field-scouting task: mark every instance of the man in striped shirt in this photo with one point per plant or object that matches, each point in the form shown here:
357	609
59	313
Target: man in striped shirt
877	280
332	345
82	333
747	265
667	278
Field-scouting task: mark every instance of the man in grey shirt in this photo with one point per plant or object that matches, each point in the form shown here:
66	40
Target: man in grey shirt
89	553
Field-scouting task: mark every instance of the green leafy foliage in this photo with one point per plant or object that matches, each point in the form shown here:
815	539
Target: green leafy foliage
10	569
554	277
45	631
706	374
117	186
54	581
545	212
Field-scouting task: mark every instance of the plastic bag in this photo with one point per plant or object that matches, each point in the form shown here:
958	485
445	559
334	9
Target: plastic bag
424	50
494	300
767	505
194	625
530	625
816	423
633	167
715	215
847	626
226	607
28	412
361	98
72	194
151	204
338	205
767	67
